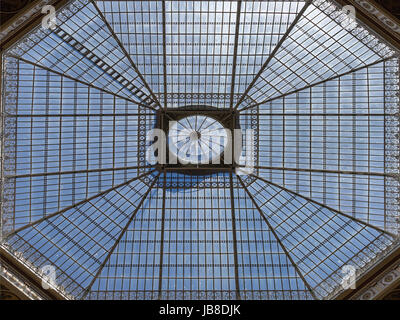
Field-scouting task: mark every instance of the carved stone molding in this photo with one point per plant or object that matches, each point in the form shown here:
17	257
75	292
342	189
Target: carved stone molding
381	285
7	294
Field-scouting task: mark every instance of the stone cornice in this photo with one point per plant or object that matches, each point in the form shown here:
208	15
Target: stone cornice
15	279
381	285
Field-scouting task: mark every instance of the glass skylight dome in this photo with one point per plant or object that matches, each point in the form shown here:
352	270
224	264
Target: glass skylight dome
78	193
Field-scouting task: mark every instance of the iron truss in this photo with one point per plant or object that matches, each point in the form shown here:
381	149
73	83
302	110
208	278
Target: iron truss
78	194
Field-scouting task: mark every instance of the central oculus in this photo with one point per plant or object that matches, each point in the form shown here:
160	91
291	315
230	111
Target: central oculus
197	139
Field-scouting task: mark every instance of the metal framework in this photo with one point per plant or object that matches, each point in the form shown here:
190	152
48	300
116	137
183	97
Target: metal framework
79	195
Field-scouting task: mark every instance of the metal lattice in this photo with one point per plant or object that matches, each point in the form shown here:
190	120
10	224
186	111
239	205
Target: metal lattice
78	193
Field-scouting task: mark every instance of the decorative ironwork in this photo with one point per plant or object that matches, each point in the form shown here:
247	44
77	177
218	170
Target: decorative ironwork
78	193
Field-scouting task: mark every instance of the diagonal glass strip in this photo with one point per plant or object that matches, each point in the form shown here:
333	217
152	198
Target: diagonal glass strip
198	260
38	89
317	48
82	46
76	241
318	240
